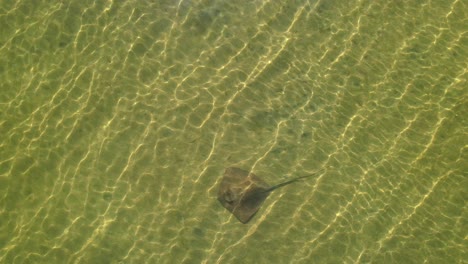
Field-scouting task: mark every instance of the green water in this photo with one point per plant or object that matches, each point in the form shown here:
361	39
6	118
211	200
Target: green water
118	118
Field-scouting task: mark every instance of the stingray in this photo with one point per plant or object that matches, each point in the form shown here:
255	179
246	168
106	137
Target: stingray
242	193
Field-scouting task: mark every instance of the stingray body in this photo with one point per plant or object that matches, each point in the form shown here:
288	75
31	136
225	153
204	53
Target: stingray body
242	193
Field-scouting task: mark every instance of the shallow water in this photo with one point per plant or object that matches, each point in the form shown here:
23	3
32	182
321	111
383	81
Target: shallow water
118	119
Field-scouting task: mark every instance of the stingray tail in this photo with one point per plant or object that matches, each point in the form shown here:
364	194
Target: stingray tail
291	181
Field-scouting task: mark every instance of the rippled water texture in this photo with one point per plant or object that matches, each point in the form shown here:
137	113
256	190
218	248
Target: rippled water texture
118	118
